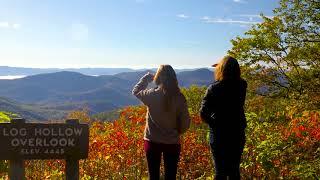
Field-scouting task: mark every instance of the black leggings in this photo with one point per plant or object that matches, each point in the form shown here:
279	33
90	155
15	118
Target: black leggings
227	161
171	153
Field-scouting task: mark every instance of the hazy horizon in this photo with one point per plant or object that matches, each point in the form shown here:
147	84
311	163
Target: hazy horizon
10	73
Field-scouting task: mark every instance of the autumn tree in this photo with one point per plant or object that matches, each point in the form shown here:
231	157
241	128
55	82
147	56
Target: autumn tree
280	55
194	95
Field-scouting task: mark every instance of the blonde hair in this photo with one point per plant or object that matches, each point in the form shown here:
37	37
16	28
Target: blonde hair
166	79
227	69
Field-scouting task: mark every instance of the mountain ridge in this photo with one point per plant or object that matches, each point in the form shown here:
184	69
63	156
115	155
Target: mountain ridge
64	91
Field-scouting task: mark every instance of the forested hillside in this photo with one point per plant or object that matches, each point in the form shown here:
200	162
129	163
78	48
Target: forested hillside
52	95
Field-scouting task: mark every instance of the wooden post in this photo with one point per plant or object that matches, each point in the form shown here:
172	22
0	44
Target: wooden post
72	165
16	166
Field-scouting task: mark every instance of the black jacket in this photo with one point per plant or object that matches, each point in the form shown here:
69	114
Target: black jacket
222	109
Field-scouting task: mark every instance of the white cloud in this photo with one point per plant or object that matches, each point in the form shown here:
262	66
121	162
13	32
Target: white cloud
252	16
183	16
207	19
8	25
79	32
239	1
16	26
4	25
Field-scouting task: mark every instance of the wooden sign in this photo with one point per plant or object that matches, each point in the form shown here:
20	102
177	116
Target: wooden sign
43	141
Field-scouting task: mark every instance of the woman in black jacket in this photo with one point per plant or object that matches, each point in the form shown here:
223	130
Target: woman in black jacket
222	109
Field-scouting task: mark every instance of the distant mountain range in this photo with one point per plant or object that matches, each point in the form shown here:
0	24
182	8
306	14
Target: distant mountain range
18	71
52	95
6	70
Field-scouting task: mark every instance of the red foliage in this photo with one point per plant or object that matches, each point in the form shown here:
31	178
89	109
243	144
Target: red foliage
306	128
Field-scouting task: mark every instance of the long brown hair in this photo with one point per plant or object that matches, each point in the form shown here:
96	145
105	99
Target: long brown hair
227	69
166	79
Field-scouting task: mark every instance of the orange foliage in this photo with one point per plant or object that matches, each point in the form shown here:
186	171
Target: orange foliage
306	128
116	149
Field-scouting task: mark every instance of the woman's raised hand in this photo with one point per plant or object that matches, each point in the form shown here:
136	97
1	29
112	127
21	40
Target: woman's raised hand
148	77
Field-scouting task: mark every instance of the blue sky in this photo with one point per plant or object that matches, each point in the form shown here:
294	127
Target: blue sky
123	33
